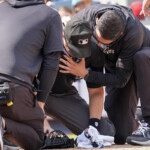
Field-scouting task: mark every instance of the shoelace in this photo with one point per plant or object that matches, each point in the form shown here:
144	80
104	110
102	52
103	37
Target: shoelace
141	130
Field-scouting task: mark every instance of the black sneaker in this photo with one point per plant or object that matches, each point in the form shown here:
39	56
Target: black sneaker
141	136
1	133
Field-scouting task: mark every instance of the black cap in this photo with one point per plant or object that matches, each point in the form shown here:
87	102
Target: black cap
78	37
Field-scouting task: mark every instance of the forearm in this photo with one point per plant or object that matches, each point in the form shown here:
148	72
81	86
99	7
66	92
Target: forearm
47	80
47	76
118	79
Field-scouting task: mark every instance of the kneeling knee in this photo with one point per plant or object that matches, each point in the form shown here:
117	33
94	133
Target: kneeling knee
120	140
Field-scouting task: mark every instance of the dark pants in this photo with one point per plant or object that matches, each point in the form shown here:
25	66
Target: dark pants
24	123
121	103
142	72
73	112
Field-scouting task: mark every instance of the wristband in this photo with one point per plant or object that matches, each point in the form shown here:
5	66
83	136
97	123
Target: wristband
86	77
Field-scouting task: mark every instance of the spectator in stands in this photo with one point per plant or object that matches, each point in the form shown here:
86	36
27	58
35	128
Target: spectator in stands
65	11
136	7
78	5
145	8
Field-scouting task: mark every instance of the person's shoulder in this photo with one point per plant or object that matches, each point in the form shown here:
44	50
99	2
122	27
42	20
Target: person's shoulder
49	11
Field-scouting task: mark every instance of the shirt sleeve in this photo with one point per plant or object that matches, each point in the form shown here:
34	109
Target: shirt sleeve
52	50
95	63
53	37
48	75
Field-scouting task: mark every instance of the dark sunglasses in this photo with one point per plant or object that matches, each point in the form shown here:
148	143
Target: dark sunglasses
98	41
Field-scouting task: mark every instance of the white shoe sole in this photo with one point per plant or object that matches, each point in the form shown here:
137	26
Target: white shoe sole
146	143
7	147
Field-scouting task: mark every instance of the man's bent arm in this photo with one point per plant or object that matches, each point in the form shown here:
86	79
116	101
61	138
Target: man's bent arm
47	75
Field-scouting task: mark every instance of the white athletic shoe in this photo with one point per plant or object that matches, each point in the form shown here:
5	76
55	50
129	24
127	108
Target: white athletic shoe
141	136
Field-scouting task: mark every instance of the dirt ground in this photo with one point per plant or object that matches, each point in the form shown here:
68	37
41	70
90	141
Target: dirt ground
56	125
127	147
119	147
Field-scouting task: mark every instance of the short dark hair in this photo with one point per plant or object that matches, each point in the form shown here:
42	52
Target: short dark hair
110	25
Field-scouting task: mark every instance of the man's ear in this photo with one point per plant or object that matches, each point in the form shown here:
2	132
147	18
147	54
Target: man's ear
97	19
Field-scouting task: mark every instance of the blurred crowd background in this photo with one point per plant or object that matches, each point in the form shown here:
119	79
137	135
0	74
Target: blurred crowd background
59	3
70	7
